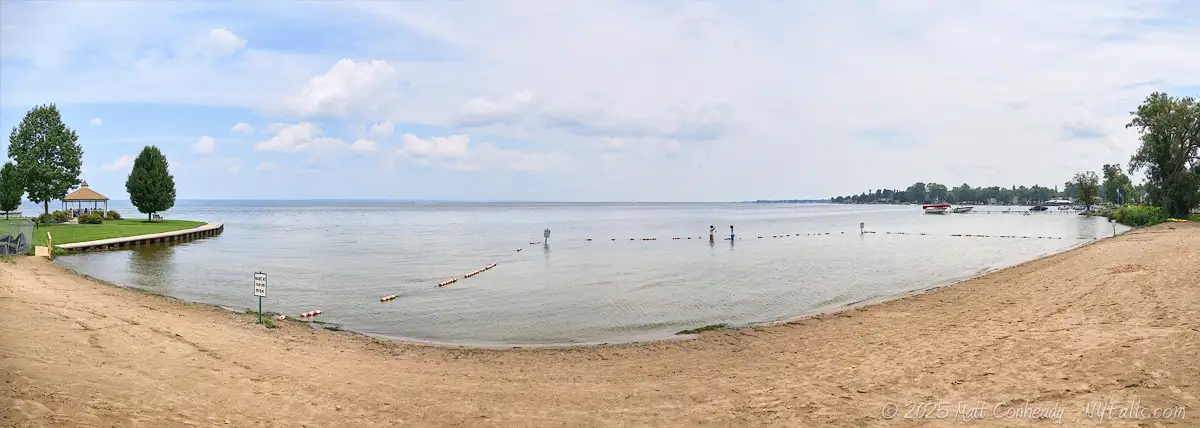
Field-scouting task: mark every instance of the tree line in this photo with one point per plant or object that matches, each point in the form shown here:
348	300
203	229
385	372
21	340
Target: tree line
47	160
1169	154
1084	187
921	192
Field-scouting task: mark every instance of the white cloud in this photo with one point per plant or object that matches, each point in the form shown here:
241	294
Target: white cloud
222	42
97	122
455	152
383	129
266	166
454	146
273	128
616	144
481	111
488	156
233	165
367	88
242	128
205	145
122	163
364	146
297	138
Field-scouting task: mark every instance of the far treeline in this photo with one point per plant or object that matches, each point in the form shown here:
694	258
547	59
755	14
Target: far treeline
1169	155
47	160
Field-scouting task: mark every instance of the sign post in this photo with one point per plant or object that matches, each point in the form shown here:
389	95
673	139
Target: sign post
260	290
861	227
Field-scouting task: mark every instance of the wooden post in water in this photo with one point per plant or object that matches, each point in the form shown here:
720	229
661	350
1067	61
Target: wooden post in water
50	245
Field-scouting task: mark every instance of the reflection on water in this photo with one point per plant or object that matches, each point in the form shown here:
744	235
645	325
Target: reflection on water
341	257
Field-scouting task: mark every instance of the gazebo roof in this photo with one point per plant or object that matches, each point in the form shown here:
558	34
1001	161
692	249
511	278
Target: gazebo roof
85	194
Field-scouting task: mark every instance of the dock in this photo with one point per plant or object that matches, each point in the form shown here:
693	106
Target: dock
203	231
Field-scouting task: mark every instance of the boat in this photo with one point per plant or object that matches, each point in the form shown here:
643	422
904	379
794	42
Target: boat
1064	207
1057	202
961	210
1039	208
935	208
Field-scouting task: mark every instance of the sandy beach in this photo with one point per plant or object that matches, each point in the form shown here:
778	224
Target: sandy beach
1042	343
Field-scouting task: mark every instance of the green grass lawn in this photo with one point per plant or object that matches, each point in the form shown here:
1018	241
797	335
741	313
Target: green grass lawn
72	233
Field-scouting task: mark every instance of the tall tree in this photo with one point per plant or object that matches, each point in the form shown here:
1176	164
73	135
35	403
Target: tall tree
1069	190
47	153
1170	151
1137	194
1087	187
964	193
916	192
11	188
937	192
150	185
1116	184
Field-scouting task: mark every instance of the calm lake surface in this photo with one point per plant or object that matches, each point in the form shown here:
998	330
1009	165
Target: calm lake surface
341	257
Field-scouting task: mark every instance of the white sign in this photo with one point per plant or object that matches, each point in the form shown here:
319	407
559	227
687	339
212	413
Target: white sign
260	284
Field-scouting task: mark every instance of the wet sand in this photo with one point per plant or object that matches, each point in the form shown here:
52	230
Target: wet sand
1115	320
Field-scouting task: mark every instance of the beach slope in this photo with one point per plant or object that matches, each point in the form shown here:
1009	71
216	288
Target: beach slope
1117	320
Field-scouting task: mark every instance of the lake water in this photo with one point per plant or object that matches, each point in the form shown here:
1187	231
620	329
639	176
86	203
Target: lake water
341	257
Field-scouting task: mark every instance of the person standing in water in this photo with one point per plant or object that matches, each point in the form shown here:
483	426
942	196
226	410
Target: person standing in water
712	231
731	233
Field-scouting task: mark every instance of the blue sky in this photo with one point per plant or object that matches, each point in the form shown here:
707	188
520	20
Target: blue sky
595	100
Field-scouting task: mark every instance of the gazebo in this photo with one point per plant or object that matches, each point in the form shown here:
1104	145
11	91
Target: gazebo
83	195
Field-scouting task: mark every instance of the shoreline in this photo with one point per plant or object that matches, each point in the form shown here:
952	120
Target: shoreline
673	337
1112	317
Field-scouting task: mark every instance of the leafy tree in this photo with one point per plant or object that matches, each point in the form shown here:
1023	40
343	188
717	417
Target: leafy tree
1170	151
937	192
150	185
1137	195
968	193
11	188
47	153
1116	183
1087	187
916	192
1069	190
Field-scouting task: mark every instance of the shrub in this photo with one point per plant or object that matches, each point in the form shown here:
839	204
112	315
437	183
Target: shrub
1139	215
113	215
61	216
46	218
91	218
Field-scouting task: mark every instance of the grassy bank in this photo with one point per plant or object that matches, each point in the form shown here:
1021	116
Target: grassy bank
72	233
1144	216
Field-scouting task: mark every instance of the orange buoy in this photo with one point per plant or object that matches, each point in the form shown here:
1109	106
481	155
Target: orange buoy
310	314
387	298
